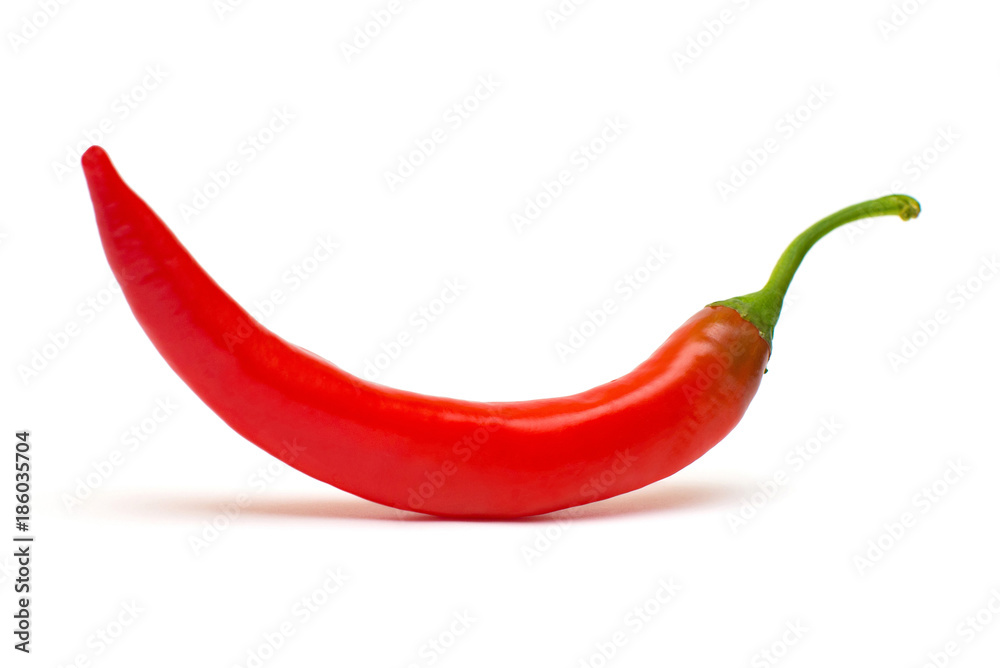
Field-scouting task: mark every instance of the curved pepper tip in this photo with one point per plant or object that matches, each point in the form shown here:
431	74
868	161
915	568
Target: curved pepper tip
93	155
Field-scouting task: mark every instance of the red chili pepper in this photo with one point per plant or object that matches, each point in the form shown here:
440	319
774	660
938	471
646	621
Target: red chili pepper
436	455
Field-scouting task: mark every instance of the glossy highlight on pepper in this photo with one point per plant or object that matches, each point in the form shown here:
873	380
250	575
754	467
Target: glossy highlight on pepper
437	455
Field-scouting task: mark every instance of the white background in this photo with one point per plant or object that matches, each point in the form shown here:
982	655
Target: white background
548	591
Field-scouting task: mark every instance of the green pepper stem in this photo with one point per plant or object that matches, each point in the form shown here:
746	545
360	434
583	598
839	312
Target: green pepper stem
762	308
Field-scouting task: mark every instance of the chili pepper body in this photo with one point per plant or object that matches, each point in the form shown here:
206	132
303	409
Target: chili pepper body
434	455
